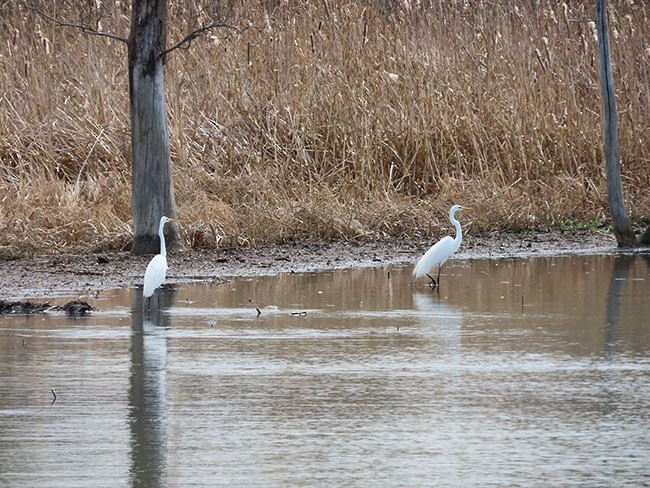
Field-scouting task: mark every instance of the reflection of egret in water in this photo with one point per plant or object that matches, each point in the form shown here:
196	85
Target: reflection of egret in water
442	320
148	392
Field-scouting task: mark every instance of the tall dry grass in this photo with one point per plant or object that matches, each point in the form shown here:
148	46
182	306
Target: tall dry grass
325	120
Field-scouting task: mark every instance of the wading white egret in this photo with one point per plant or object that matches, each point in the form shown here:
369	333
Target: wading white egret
157	268
440	251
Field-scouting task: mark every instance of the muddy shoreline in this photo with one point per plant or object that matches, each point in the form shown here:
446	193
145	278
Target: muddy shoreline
56	275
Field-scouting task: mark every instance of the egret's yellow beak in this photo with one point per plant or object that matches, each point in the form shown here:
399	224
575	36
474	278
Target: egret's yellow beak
467	208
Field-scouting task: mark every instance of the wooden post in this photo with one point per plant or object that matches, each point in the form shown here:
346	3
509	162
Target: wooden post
620	222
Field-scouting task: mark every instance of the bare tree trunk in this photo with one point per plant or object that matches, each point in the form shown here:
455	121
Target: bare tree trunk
620	221
152	184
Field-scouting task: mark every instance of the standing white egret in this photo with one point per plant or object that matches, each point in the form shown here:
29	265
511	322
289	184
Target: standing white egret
157	268
440	251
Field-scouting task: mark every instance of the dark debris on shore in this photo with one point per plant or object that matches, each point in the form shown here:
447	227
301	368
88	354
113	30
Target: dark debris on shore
76	308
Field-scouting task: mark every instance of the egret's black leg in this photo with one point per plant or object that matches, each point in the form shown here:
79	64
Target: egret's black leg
433	283
438	280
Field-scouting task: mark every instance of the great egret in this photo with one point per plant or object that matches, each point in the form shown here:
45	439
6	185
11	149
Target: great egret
440	251
157	268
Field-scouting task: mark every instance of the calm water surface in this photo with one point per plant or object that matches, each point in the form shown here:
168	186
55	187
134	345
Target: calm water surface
519	373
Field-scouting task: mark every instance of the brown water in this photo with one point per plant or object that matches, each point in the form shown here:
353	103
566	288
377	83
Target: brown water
520	373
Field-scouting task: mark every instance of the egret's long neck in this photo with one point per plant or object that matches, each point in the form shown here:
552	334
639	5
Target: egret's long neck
459	229
163	248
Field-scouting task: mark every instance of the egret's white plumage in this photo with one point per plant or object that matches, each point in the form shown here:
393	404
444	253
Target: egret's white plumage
441	250
157	268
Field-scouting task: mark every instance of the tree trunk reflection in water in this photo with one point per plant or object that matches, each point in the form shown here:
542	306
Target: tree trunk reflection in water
148	392
617	281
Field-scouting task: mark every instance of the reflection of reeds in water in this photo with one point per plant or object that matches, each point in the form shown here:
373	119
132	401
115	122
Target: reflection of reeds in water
335	119
560	289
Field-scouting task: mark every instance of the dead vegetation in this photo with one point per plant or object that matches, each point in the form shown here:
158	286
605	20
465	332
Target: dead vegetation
327	120
75	308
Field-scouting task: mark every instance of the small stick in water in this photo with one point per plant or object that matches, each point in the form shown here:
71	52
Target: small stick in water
53	396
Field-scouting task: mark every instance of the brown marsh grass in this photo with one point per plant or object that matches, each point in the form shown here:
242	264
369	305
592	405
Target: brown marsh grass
325	120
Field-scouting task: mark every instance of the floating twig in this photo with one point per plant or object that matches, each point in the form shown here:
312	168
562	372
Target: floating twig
53	396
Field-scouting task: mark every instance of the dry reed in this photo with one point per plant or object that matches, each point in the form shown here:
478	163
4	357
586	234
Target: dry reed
325	120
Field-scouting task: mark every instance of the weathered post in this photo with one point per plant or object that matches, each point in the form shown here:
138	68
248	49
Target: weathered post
620	221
